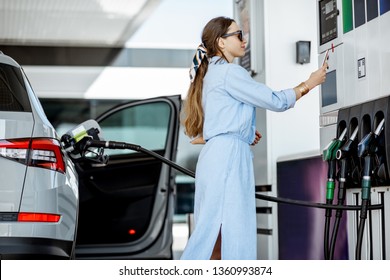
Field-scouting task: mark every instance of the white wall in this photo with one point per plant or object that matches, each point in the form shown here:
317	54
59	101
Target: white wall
294	133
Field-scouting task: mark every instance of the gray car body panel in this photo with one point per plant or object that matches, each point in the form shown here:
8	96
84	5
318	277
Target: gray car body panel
13	125
35	189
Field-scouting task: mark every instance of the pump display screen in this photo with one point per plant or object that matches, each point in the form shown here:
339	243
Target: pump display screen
328	20
329	89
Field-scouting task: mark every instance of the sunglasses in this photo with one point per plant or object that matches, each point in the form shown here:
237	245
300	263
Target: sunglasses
238	33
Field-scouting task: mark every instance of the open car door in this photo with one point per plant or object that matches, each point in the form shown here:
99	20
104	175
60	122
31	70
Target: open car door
127	205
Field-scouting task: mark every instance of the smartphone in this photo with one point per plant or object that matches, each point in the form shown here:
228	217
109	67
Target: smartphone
326	57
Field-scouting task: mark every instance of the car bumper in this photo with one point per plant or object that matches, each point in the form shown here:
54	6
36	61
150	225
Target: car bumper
34	248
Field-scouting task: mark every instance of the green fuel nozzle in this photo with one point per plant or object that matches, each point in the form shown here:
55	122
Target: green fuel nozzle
329	155
329	152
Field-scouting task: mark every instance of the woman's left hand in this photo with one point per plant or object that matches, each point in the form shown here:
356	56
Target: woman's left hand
257	138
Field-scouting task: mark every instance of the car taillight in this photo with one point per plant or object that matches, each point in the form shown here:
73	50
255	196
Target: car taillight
38	217
46	153
38	152
15	149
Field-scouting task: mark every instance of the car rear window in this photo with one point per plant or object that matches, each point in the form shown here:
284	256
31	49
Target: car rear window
13	94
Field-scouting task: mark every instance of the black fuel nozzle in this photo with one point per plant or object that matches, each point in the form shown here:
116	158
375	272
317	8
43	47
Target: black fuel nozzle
368	145
349	146
345	156
367	149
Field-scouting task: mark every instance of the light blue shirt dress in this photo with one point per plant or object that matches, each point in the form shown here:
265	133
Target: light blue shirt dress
224	181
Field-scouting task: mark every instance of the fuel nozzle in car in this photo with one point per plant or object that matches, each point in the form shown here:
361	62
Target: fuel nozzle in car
367	148
85	141
75	142
329	155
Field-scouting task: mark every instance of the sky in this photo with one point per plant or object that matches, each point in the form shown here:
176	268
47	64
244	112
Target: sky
179	23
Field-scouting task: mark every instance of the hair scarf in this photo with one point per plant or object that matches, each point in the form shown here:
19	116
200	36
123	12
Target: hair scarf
201	52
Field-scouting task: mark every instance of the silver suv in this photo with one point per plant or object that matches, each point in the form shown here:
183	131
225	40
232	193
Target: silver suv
39	185
121	209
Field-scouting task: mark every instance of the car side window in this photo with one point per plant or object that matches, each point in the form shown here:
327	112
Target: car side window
13	94
146	125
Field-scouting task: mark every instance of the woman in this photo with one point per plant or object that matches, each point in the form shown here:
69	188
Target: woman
220	112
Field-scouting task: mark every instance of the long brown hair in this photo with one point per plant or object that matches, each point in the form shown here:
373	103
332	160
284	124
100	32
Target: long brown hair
193	110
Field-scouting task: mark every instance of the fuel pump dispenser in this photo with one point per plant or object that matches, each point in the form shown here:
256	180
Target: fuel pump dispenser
356	94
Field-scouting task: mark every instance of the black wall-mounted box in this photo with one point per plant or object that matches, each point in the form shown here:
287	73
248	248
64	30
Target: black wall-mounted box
303	51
